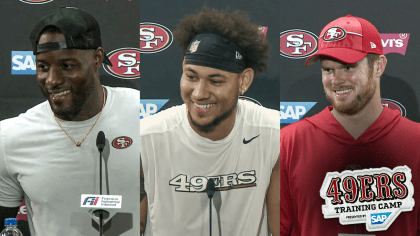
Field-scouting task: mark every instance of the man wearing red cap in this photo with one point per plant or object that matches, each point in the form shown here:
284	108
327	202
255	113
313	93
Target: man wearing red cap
369	176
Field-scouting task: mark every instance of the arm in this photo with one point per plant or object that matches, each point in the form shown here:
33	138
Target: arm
273	200
7	212
143	202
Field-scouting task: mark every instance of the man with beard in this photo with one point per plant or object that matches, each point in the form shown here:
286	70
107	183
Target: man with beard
48	155
355	158
213	137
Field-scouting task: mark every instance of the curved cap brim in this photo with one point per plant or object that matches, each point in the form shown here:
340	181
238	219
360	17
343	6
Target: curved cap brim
344	55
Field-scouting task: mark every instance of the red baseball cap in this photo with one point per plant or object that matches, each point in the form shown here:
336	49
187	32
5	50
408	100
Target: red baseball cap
347	39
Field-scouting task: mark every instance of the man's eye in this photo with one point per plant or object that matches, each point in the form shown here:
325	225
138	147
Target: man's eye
41	66
216	82
67	66
349	67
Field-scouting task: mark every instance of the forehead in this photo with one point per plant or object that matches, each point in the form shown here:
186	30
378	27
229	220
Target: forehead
332	62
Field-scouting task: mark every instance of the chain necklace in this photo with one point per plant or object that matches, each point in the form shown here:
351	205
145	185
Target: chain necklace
80	143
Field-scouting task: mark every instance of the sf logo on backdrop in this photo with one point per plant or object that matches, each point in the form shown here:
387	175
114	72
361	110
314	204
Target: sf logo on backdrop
125	63
36	1
154	37
298	43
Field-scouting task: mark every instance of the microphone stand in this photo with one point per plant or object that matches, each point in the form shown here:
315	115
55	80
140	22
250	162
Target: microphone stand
210	192
100	144
100	193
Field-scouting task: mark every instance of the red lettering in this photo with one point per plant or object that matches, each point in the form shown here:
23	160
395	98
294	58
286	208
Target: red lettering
383	186
334	191
350	189
365	187
401	191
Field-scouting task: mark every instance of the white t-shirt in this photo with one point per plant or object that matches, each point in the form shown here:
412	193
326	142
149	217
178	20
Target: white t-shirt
40	163
177	162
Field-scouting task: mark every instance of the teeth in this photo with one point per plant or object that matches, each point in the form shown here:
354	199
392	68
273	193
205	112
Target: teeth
203	106
61	93
343	91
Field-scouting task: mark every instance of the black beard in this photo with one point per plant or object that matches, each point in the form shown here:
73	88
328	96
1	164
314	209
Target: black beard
211	126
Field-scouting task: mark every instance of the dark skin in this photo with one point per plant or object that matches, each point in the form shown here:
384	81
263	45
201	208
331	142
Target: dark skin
69	78
75	74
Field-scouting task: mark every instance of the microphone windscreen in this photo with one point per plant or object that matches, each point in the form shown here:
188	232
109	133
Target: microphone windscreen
211	186
100	141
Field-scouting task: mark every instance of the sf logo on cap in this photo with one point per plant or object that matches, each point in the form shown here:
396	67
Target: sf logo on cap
334	34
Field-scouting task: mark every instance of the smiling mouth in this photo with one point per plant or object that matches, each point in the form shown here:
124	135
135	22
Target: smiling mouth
342	92
206	106
56	95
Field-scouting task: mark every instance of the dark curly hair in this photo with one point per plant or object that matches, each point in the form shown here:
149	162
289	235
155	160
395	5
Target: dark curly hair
235	27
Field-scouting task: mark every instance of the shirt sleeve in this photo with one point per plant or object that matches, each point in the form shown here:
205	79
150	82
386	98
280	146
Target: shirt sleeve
11	193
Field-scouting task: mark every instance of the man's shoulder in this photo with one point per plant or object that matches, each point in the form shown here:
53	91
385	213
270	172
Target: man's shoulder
122	91
300	127
256	115
163	121
32	116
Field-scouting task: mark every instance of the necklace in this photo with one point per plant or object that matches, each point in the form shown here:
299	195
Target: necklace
80	143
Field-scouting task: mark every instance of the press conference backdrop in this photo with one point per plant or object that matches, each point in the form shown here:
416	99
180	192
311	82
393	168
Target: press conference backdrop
162	58
301	90
19	90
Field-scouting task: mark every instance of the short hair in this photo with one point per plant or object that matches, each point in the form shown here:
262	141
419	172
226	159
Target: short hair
371	58
235	27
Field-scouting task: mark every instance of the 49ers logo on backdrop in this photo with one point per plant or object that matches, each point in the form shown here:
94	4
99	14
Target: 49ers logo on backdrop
36	1
298	43
394	105
122	142
125	63
334	34
244	179
154	37
373	196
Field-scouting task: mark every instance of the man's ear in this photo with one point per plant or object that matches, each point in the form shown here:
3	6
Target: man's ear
245	80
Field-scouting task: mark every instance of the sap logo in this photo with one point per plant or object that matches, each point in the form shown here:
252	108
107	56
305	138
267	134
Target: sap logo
298	43
379	218
91	200
23	63
154	37
395	43
149	107
291	112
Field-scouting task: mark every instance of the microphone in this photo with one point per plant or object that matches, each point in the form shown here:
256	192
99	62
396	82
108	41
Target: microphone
211	186
100	141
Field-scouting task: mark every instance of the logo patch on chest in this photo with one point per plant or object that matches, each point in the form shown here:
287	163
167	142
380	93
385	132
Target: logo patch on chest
373	196
122	142
244	179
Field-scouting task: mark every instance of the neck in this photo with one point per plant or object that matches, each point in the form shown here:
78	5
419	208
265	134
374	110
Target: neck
358	123
220	131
